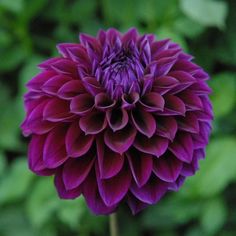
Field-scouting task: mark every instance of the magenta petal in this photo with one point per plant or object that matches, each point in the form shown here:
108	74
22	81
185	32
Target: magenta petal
57	110
114	189
151	192
92	85
61	189
155	145
173	106
103	102
35	123
35	156
144	122
163	84
65	66
82	104
167	168
71	89
167	127
182	147
54	84
36	82
93	123
117	119
76	170
77	143
191	100
109	162
189	123
135	205
121	140
140	165
93	198
152	102
54	152
129	100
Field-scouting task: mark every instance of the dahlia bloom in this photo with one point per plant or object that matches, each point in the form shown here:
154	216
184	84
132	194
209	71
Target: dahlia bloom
118	118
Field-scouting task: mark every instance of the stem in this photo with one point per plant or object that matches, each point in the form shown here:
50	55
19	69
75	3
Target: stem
113	225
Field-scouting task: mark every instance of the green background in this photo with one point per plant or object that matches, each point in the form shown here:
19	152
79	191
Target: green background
29	31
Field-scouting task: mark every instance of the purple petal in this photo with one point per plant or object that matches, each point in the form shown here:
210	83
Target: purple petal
182	147
93	198
189	123
54	84
36	82
155	145
77	143
103	102
71	89
140	165
129	100
109	162
144	122
57	110
152	102
114	189
167	127
61	189
117	119
151	192
35	156
82	104
167	168
135	205
54	152
121	140
92	85
76	170
93	123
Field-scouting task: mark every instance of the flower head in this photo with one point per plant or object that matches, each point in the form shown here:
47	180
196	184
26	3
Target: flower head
118	118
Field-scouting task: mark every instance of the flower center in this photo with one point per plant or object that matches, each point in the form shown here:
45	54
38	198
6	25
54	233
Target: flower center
120	70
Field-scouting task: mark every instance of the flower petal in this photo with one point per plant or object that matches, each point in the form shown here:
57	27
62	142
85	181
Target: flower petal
121	140
61	189
129	100
57	110
155	145
76	170
35	156
109	162
189	123
117	118
144	122
114	189
152	102
77	143
93	123
182	147
151	192
103	102
93	198
54	84
71	89
167	168
167	127
54	152
82	104
140	166
135	204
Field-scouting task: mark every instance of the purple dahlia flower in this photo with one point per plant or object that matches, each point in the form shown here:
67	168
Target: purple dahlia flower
118	118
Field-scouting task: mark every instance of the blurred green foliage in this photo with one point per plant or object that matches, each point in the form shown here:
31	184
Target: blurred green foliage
29	31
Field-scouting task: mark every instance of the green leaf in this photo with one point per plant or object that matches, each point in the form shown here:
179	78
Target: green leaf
165	32
71	212
213	216
15	184
206	12
2	163
224	93
15	6
216	172
188	27
42	202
